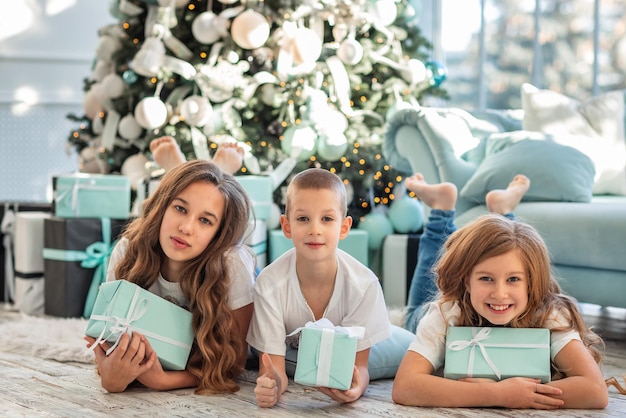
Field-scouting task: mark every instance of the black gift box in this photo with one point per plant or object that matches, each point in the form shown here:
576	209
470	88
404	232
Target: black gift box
15	207
67	282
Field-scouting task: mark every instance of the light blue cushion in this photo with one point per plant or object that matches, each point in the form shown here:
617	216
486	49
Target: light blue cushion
557	172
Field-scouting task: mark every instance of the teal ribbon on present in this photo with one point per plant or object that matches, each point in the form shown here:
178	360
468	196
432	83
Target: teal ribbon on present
96	255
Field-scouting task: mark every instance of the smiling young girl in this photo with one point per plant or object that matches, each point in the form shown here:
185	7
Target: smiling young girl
186	247
494	271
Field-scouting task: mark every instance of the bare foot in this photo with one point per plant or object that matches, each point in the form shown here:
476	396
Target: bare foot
166	152
436	196
505	201
229	157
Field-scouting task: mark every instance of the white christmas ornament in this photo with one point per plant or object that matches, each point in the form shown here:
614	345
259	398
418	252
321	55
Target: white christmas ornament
151	113
150	58
208	28
90	162
112	86
307	46
195	110
250	30
134	167
228	1
215	121
177	3
274	221
384	12
129	128
97	125
332	121
101	69
415	71
107	46
91	102
350	52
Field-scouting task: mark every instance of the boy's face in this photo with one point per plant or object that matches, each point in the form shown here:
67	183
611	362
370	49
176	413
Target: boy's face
315	223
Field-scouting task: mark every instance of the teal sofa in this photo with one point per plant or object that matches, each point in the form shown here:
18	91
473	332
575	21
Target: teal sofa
585	231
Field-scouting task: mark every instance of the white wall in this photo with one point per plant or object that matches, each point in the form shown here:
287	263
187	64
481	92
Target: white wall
46	50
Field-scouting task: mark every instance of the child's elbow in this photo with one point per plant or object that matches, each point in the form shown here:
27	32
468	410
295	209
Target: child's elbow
597	397
401	394
601	400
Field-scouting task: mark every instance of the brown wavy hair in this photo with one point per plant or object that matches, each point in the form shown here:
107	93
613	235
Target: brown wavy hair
493	235
205	279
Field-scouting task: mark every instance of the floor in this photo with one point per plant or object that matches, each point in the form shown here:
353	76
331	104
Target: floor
36	387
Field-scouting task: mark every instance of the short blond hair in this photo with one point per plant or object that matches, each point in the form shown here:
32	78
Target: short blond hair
318	179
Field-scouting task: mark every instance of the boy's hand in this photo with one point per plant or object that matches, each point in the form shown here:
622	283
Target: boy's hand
349	395
268	390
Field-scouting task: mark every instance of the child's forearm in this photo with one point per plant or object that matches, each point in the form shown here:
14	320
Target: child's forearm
582	392
176	379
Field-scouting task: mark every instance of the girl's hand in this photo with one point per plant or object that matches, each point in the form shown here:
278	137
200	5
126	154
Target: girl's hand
124	364
521	392
155	375
267	390
345	396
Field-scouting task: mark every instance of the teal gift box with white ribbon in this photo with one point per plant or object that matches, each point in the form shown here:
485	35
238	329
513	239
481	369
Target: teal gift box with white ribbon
122	306
497	353
81	195
260	191
326	354
75	257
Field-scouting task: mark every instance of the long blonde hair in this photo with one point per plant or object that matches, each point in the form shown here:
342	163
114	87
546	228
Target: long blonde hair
493	235
205	280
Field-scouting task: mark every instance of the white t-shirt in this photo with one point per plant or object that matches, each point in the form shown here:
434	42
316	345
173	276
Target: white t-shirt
280	307
430	336
240	263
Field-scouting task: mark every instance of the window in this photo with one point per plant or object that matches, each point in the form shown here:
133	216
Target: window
576	47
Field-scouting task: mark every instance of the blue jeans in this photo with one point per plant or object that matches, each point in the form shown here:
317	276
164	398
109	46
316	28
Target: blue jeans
423	285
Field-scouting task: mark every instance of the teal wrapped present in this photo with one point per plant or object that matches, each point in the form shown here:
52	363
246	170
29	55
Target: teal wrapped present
497	353
260	189
326	354
355	244
122	306
81	195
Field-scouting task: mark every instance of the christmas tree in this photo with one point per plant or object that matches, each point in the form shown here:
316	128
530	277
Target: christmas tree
296	83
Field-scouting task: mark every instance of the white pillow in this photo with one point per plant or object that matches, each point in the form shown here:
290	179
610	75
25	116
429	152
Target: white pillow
595	127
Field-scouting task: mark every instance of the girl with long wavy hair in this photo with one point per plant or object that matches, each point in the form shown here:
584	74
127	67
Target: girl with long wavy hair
187	248
495	271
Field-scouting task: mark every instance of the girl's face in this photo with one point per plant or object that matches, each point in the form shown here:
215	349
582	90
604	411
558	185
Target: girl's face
316	223
498	288
189	224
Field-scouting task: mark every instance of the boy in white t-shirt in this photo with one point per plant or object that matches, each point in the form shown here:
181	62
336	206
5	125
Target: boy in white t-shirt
317	280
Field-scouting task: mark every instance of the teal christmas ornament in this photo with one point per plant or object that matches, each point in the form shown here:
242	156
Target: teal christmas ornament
332	147
439	72
130	77
406	215
378	226
299	141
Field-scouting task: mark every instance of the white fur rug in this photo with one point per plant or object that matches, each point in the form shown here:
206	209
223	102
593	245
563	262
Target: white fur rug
51	338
